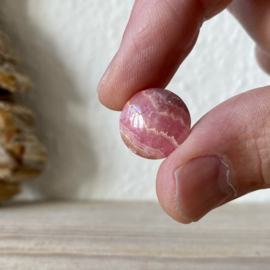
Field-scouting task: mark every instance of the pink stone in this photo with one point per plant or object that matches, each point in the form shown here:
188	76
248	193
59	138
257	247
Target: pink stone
154	123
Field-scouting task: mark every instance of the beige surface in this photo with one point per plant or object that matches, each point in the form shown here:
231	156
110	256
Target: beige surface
66	235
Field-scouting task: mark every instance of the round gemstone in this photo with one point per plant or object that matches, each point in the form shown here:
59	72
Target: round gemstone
154	122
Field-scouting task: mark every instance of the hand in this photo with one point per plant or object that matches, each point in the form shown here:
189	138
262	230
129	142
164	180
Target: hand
227	154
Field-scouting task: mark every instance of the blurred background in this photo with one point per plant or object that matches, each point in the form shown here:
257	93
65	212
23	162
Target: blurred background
66	46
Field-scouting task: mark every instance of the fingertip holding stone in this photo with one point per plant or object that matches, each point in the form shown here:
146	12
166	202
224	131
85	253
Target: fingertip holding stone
154	122
202	184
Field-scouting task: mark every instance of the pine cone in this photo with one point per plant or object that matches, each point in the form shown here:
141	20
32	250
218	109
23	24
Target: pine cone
22	156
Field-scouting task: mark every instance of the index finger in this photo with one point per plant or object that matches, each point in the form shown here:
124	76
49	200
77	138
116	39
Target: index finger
159	36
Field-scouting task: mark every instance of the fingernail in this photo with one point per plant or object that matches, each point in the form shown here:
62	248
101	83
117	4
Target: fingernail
103	79
201	185
111	68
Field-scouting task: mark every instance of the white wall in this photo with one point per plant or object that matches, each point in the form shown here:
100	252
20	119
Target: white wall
66	45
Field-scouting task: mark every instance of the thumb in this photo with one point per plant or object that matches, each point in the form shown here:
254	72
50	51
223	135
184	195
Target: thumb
227	155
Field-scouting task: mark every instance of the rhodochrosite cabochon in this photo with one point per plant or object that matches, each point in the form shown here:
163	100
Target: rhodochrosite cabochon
154	122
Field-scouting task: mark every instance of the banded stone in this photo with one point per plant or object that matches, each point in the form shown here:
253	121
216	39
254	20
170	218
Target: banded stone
154	122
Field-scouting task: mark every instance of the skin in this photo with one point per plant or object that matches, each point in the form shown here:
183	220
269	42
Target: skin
159	36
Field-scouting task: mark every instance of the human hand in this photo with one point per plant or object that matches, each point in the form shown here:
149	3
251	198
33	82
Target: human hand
227	154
